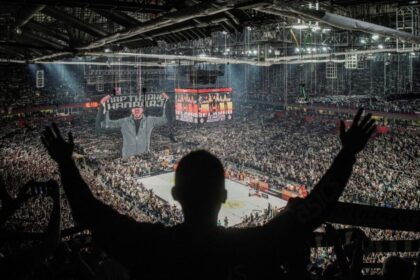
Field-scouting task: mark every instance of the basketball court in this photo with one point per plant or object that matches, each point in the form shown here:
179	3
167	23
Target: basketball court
238	204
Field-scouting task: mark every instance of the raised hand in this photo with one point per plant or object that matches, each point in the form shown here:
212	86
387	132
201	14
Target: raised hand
165	96
56	146
355	139
105	99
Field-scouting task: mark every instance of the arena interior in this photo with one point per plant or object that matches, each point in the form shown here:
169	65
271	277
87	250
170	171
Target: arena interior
262	85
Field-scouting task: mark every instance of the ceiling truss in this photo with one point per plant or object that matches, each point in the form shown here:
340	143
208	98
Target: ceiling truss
59	29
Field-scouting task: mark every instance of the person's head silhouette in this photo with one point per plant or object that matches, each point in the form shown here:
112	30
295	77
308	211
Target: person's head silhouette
200	188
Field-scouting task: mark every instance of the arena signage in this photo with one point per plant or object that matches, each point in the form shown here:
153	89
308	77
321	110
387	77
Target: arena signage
134	101
203	105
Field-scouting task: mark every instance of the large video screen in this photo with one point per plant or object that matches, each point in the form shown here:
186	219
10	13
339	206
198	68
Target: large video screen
203	105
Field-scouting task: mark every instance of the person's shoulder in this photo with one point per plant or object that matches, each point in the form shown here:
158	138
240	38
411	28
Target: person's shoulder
153	228
127	119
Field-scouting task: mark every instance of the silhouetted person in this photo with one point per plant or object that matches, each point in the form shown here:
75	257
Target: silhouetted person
198	248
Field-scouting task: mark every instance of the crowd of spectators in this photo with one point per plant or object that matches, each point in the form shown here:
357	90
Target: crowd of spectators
282	150
378	103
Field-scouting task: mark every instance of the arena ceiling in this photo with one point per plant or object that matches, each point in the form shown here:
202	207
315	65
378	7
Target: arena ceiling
182	31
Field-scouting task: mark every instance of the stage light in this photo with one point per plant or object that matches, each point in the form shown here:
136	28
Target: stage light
255	52
224	32
270	50
324	49
325	30
227	50
18	30
413	53
308	50
375	37
387	39
363	41
297	50
107	50
380	46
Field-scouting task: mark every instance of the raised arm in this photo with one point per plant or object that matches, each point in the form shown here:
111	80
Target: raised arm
110	229
107	122
158	121
312	211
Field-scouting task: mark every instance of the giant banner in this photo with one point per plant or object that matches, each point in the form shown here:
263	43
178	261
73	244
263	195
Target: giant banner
134	101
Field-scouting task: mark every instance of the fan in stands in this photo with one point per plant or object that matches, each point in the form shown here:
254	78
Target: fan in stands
254	192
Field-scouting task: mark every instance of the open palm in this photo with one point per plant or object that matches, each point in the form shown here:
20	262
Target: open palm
56	146
355	139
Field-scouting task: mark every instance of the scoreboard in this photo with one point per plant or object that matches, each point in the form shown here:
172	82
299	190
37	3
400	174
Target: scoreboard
203	105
